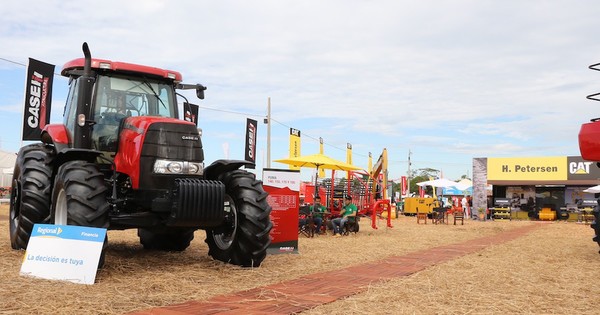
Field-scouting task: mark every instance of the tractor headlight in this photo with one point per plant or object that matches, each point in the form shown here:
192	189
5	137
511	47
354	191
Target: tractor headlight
194	168
175	167
178	167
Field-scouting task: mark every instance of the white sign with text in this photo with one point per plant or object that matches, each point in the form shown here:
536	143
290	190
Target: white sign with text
63	252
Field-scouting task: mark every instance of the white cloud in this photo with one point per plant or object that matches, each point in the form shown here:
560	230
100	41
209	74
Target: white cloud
465	78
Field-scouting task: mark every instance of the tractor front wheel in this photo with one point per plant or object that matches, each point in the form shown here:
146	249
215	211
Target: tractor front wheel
30	192
79	197
244	237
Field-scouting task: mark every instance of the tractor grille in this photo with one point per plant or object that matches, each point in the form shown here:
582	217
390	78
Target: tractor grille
197	203
167	141
173	141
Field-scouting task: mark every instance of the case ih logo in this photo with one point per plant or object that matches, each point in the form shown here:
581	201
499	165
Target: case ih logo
251	139
37	100
250	150
190	138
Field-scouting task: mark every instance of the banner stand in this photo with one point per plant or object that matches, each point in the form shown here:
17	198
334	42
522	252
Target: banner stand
283	187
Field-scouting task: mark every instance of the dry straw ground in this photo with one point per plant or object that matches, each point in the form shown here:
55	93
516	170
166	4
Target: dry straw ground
553	270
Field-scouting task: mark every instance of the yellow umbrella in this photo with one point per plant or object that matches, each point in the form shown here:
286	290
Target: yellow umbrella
318	161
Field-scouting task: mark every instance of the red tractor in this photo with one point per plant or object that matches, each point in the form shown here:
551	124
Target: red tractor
589	146
123	159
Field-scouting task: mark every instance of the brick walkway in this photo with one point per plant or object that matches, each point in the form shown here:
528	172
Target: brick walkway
312	290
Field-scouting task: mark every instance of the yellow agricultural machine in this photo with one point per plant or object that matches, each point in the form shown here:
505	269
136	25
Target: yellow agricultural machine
547	214
585	211
501	209
412	204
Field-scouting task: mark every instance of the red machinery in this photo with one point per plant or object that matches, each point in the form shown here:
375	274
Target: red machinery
375	201
589	145
122	159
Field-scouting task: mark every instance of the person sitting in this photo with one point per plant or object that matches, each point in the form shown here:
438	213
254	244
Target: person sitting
317	210
348	213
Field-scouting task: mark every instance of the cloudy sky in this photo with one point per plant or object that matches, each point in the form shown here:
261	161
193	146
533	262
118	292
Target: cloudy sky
445	80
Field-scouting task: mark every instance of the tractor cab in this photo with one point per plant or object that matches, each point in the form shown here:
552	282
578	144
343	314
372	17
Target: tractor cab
117	98
118	92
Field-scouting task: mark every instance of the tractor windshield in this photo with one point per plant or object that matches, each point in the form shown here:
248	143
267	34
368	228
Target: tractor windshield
134	97
118	97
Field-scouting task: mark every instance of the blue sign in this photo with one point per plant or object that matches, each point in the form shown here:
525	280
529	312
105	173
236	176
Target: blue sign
454	191
70	232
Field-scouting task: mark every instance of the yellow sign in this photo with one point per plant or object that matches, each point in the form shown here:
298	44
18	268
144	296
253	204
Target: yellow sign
294	145
321	170
348	157
538	168
348	153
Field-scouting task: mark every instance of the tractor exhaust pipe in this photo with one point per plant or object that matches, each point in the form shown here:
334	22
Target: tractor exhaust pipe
87	67
83	125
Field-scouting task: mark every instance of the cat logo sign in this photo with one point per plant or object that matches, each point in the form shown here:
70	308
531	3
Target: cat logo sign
581	168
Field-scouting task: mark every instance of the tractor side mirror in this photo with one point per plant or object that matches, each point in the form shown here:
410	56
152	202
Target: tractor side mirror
198	87
200	91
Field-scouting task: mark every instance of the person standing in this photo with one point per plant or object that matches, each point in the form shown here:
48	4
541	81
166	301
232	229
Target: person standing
348	213
465	204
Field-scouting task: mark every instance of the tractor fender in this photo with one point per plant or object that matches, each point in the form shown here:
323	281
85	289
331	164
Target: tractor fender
57	135
70	154
223	166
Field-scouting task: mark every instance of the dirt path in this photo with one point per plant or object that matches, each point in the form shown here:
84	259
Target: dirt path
552	269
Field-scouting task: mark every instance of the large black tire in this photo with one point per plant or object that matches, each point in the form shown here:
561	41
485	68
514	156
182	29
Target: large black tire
596	225
79	197
173	239
244	238
30	192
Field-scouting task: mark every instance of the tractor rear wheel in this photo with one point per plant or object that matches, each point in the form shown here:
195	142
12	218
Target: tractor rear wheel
596	225
244	238
30	192
167	240
79	197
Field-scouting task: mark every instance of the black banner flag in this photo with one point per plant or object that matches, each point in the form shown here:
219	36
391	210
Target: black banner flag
250	141
190	112
38	98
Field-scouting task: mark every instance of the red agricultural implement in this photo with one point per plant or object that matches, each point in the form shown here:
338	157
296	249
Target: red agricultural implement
589	146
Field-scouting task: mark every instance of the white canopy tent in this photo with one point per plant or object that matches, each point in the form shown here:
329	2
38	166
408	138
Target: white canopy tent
7	163
441	182
464	184
593	190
